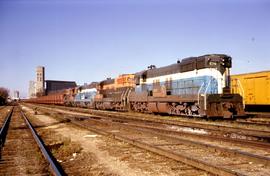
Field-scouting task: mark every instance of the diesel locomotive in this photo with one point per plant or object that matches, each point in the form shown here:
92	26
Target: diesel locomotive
194	86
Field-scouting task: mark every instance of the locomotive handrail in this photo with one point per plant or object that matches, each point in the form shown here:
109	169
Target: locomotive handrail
241	88
206	92
126	96
123	96
199	92
129	91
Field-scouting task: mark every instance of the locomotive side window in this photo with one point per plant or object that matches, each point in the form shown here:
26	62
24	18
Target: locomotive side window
144	77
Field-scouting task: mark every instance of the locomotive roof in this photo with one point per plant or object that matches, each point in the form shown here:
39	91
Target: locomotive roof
107	81
186	64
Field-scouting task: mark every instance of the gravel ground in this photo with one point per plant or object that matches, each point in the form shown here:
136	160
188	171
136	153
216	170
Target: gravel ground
81	152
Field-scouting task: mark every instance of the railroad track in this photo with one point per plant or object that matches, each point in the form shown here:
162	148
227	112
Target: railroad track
254	122
215	129
226	131
173	129
1	107
212	158
22	148
256	118
249	121
230	125
261	114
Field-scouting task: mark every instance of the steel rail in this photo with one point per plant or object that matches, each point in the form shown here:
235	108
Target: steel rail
255	123
210	126
232	152
217	127
4	129
261	145
57	169
221	128
121	118
206	126
258	144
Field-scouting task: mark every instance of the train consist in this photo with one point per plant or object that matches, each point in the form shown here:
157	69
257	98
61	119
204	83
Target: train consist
195	86
254	88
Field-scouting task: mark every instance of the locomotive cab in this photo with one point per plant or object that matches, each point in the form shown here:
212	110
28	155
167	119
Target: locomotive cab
225	104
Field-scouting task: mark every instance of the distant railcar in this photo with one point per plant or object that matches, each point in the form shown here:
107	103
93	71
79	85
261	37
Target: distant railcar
55	98
85	98
69	96
113	93
254	88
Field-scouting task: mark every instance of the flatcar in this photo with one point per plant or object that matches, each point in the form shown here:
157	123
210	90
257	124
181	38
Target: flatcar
195	86
254	88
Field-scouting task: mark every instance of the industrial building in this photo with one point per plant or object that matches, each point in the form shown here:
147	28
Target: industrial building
42	87
53	86
40	71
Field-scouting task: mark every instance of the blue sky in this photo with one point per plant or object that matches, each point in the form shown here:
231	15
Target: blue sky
89	40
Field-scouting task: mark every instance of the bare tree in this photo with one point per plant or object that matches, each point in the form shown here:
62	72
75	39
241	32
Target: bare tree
3	95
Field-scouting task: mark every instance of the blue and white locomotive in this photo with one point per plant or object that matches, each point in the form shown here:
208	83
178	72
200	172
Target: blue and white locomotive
195	86
85	98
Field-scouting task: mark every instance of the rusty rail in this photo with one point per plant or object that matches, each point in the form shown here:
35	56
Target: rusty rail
4	130
55	166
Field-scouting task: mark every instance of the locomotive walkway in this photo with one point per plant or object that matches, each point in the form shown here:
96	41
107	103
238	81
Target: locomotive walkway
22	149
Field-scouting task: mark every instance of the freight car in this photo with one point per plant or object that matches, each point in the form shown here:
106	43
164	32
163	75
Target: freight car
254	88
54	98
196	86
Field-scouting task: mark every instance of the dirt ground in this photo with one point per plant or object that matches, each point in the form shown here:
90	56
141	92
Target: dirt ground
82	152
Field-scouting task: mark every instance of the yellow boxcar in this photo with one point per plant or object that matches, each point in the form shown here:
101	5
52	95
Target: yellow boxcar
254	87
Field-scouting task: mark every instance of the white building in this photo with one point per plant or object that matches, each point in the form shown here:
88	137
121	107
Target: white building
32	89
16	95
40	81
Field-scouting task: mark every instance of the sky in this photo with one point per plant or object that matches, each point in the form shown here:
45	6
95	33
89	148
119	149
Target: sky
90	40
